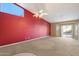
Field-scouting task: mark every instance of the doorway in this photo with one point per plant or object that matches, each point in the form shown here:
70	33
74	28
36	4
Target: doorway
67	31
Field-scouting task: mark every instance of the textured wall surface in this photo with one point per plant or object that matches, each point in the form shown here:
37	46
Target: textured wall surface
15	28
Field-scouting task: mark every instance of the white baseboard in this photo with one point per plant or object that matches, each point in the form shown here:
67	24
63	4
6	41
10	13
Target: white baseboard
22	42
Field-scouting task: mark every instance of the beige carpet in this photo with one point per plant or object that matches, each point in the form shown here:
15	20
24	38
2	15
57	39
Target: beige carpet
48	46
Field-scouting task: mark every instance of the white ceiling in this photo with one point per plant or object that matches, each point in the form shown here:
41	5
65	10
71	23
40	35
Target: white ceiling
57	12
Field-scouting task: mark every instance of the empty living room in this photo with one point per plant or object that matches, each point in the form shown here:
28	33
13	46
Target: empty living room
39	29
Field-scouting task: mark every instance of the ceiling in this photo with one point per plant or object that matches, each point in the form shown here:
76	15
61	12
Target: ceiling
57	12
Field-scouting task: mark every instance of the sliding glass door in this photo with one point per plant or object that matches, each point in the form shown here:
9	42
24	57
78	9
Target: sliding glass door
67	31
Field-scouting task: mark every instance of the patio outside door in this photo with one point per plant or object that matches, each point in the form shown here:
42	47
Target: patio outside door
67	30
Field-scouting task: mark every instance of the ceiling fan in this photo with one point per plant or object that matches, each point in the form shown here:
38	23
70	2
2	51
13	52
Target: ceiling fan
40	13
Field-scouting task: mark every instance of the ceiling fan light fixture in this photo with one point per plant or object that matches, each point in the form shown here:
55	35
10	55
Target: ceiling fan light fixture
40	14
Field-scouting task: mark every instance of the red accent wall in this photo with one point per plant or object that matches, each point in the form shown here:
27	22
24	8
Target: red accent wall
15	28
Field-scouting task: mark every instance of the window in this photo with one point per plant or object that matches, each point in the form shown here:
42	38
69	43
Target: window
11	8
66	31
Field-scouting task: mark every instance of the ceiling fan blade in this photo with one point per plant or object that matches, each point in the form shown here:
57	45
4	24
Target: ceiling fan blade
41	11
